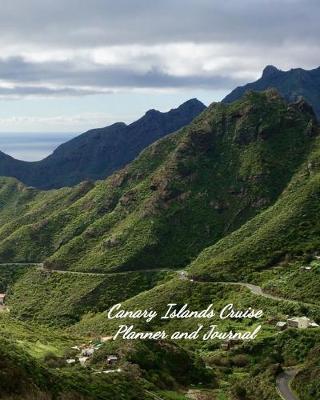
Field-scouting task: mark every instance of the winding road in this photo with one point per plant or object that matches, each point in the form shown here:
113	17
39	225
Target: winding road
259	292
283	384
283	379
183	275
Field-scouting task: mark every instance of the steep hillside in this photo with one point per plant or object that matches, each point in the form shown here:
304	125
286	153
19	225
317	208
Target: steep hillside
25	378
97	153
33	366
291	84
287	231
307	382
182	194
71	296
198	296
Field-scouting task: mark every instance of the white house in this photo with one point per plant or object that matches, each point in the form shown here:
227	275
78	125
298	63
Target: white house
2	297
299	322
112	359
104	339
281	325
82	360
88	352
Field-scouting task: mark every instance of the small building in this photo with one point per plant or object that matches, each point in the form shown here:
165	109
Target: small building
2	298
225	345
299	322
281	325
183	275
313	325
306	268
88	351
104	339
83	360
112	359
110	371
70	361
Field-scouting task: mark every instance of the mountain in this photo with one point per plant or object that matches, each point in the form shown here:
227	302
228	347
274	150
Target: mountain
97	153
234	199
182	194
291	84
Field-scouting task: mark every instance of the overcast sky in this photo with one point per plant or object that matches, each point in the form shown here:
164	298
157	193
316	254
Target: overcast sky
67	66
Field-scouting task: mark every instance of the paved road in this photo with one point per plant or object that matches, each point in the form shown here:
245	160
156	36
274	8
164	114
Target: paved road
183	275
82	273
41	267
258	291
254	289
155	396
283	380
283	384
23	263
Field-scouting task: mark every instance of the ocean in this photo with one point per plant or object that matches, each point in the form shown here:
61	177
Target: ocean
32	146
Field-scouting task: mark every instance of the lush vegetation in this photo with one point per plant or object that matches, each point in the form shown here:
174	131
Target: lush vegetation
214	175
23	377
307	382
62	298
232	197
286	231
9	274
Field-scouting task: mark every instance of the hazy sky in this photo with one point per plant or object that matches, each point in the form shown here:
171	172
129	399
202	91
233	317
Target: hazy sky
67	66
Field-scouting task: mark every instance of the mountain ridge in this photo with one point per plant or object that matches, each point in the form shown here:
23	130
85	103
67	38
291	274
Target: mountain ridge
214	175
291	84
97	153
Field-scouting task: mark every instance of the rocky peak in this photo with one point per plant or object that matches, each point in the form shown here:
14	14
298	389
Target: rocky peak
192	104
269	71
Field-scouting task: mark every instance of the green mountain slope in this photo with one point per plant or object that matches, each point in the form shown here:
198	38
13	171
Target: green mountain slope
287	230
232	195
306	383
181	195
25	378
61	299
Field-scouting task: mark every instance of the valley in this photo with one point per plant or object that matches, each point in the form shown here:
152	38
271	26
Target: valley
219	213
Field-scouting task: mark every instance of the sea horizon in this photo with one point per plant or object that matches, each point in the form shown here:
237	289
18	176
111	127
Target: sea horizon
32	146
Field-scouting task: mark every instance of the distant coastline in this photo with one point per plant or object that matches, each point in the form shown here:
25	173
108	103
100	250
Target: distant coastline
32	146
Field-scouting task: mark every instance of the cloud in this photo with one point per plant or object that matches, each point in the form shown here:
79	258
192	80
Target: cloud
106	22
57	123
19	76
79	47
